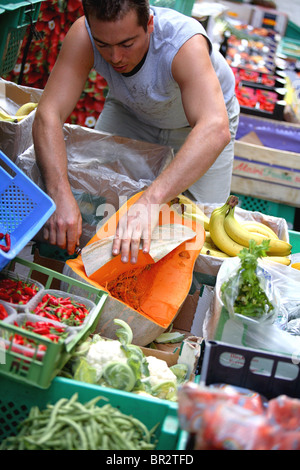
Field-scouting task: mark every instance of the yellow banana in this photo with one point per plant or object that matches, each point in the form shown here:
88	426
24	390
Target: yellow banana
278	259
189	209
212	250
26	108
218	234
242	236
259	227
9	118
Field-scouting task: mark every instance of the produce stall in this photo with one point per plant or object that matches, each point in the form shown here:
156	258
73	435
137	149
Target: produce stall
198	346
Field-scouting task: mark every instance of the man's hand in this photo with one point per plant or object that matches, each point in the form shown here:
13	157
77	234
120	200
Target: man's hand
135	229
64	226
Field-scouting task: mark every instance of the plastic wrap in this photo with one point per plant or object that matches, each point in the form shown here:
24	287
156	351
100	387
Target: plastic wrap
104	171
272	334
229	418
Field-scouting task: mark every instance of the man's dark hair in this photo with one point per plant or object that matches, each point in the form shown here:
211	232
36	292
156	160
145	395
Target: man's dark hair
113	10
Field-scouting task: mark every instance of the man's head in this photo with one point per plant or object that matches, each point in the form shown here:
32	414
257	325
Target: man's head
121	30
112	10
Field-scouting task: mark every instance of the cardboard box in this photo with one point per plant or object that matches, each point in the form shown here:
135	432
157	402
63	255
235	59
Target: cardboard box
16	137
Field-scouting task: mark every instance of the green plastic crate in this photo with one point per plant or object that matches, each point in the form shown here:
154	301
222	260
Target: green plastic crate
39	370
268	207
183	6
16	401
15	17
294	238
292	30
290	47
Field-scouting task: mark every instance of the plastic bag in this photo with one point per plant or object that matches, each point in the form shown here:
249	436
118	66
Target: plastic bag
271	309
104	171
272	334
16	137
230	418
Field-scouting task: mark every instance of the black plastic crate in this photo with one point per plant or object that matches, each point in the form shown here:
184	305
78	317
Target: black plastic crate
269	374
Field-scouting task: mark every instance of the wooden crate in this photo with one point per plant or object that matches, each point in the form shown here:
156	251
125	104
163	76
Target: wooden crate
267	173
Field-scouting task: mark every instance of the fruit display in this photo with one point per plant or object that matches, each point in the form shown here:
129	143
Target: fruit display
251	54
263	100
20	114
226	236
253	76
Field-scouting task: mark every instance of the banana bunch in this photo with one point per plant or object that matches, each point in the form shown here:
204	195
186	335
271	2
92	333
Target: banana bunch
210	249
189	209
21	113
230	236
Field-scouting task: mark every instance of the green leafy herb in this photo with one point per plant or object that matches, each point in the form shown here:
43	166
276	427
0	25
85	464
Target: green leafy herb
249	297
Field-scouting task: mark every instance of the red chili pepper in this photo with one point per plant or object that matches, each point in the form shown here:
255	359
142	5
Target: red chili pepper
63	309
3	312
6	247
53	337
16	291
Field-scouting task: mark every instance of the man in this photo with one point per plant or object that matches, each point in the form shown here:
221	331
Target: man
166	85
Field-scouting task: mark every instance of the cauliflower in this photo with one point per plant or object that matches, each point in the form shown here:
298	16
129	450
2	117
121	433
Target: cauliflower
122	365
159	371
102	353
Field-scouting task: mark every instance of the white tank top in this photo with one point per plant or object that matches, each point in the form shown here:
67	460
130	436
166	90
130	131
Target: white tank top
152	93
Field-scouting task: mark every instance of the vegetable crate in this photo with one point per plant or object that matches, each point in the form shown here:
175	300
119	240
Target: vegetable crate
15	16
183	6
15	404
268	207
294	237
24	208
33	367
269	374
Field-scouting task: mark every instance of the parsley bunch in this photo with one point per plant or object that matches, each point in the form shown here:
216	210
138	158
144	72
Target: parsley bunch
249	297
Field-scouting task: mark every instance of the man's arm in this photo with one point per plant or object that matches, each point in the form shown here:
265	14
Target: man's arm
59	98
205	109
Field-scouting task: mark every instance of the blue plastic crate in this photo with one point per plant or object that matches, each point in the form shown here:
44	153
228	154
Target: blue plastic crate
24	208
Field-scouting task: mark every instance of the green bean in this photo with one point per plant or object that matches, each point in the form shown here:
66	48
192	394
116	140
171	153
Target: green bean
71	425
77	428
90	437
52	419
69	442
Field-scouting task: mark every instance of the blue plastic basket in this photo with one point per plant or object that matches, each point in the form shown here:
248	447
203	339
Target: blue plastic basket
24	208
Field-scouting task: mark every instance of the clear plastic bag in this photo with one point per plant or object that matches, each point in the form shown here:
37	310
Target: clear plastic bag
271	334
229	296
104	171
